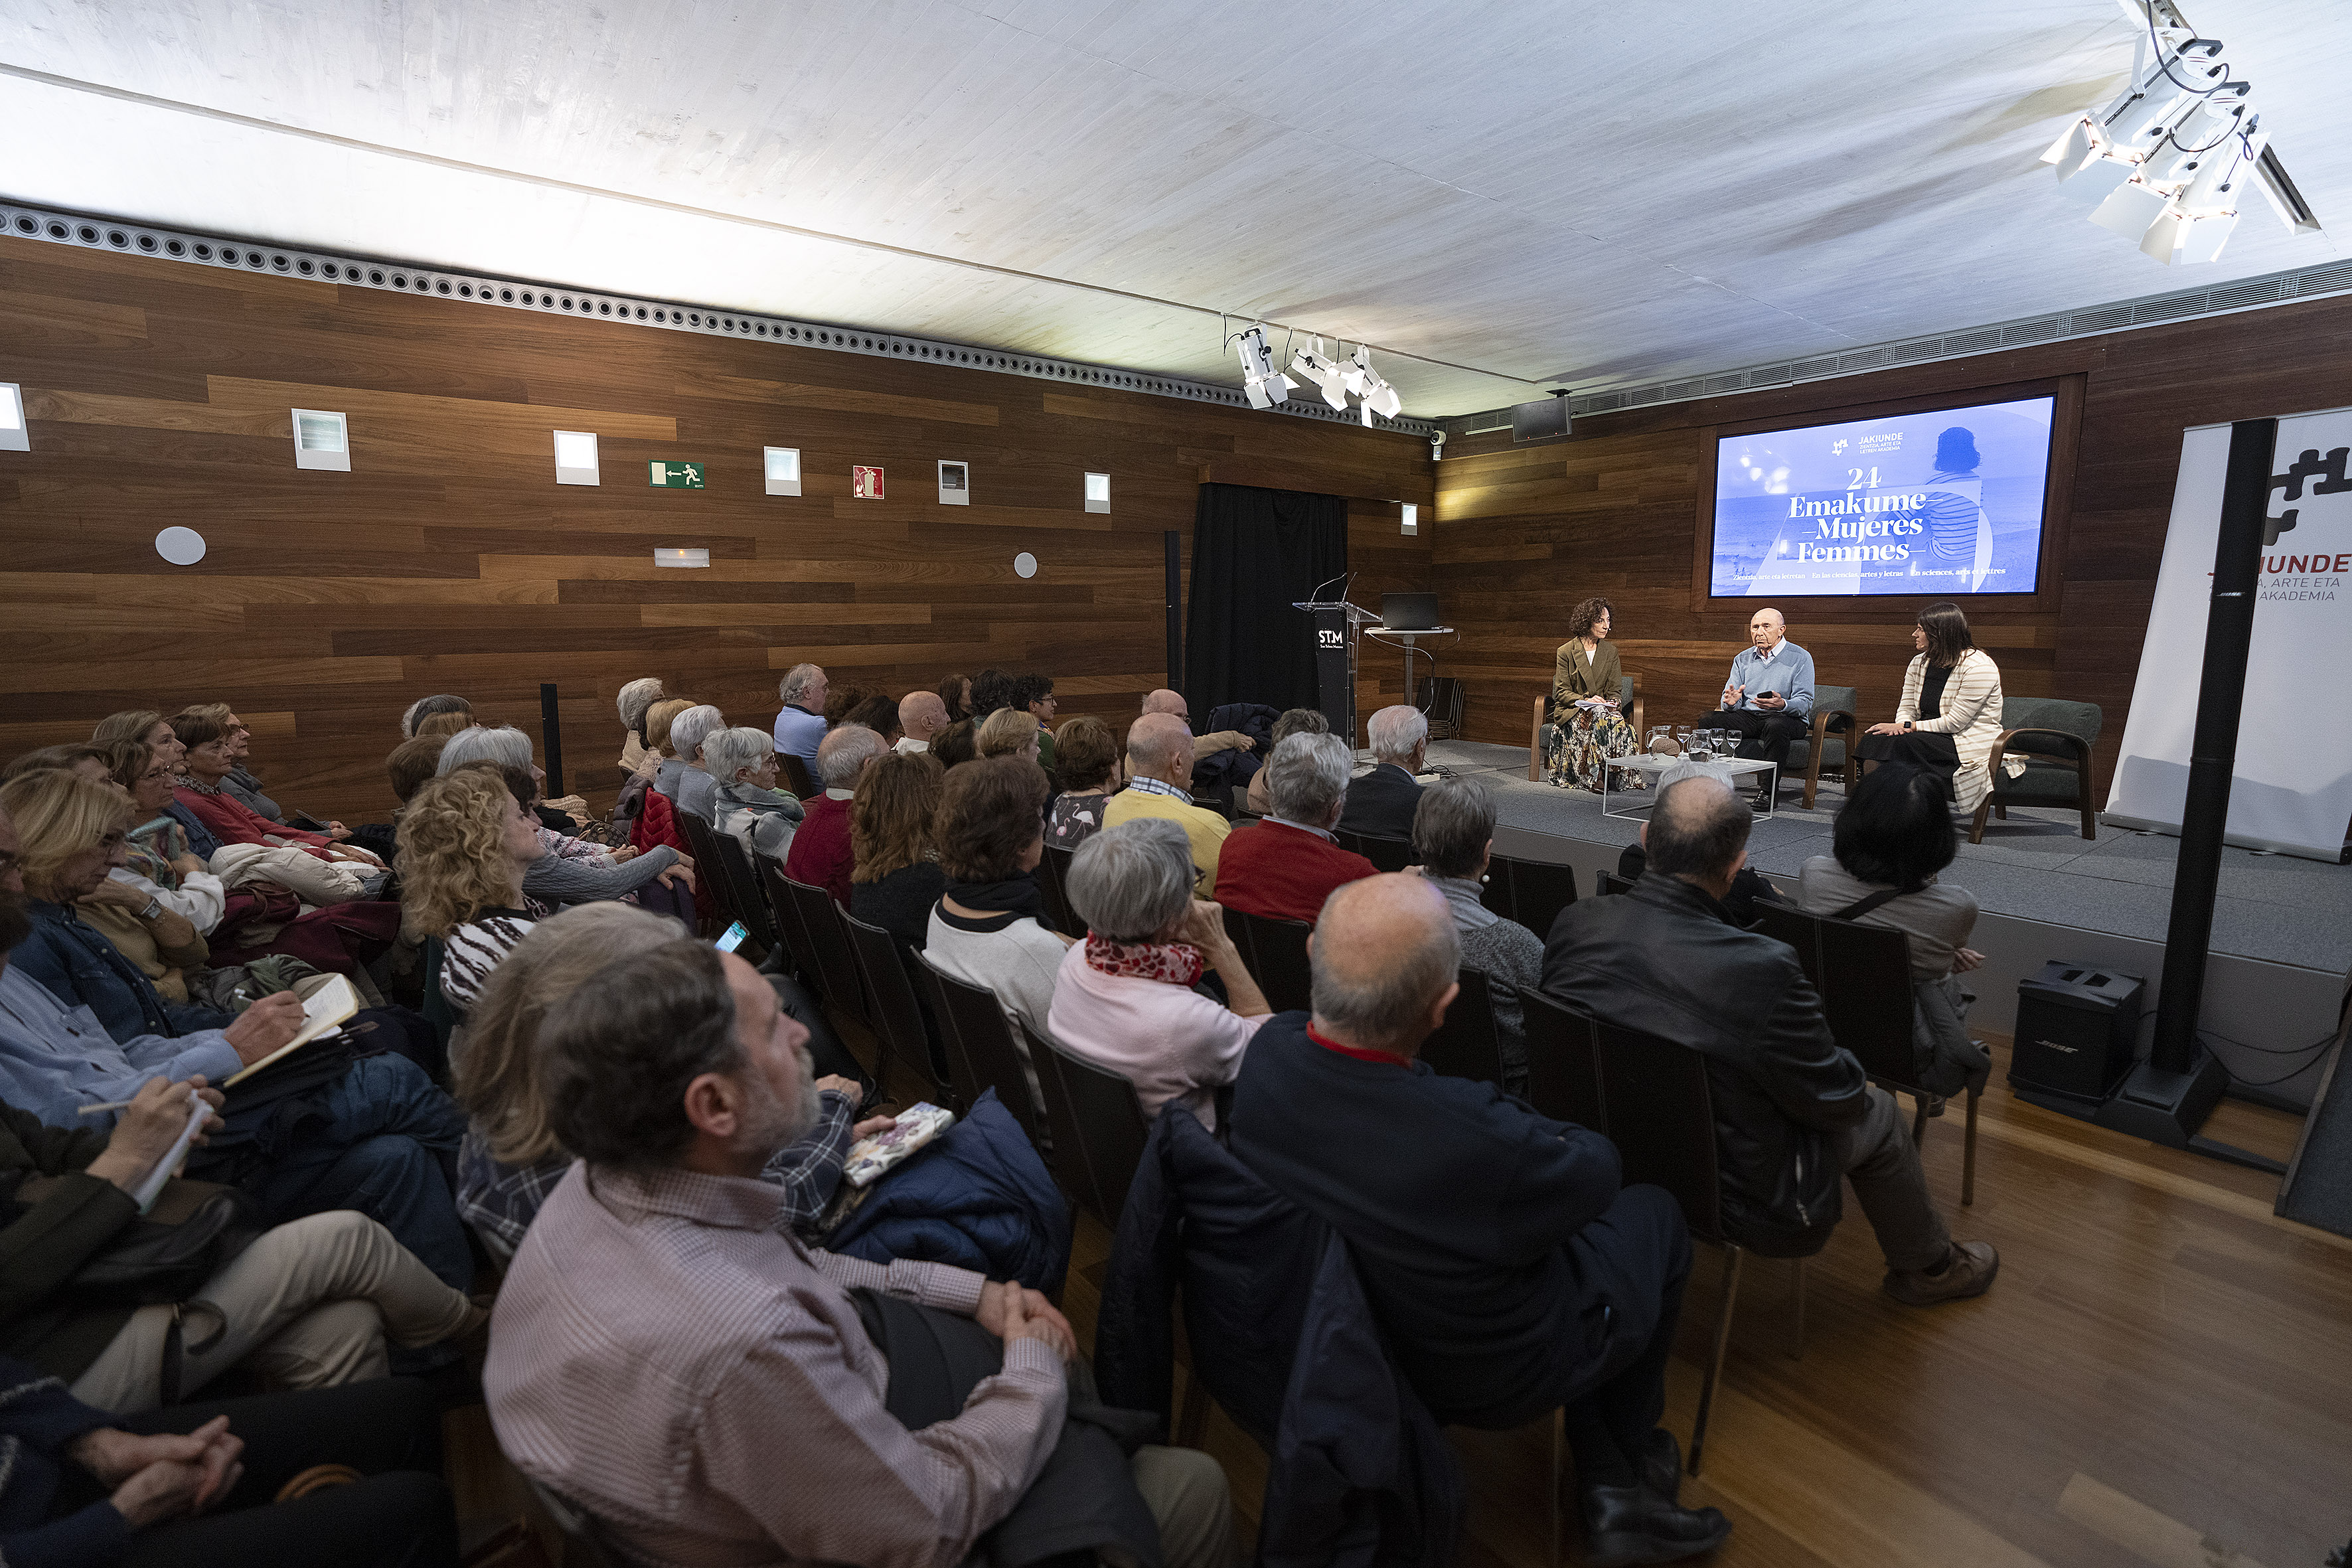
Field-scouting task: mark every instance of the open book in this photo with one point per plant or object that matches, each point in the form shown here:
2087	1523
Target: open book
327	1006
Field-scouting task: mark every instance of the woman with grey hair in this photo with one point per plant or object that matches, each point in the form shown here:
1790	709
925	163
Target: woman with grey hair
1123	998
501	744
1454	834
1293	721
423	708
746	802
632	701
683	777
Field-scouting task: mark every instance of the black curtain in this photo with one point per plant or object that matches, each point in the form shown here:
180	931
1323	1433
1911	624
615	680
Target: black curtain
1255	553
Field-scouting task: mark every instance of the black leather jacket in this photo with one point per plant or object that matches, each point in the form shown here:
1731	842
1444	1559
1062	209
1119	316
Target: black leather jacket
1666	960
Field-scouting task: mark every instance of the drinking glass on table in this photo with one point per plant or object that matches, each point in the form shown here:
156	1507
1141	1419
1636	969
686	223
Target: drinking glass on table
1682	738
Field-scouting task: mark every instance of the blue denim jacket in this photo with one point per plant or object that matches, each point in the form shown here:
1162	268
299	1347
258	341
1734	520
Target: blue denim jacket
81	968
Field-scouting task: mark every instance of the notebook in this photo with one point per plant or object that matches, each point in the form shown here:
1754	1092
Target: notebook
327	1008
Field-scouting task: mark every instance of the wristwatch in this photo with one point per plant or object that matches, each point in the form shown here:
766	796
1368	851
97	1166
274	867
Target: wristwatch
155	907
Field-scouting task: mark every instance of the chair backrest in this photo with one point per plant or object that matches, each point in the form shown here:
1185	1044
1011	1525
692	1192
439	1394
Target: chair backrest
741	893
1275	951
1054	883
1563	1062
1863	974
829	945
964	1081
1607	882
791	929
697	835
2082	719
989	1048
1532	892
896	1016
796	775
1465	1044
1662	1119
1098	1123
1385	854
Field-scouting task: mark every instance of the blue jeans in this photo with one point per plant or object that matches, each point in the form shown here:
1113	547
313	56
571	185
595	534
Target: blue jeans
383	1153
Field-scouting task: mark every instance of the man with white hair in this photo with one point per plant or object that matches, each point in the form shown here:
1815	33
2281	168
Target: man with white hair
1381	804
921	715
800	724
1768	698
1511	1271
683	777
1159	767
1173	703
821	855
1285	866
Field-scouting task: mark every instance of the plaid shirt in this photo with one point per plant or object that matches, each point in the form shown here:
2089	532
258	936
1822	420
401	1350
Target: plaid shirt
500	1200
1157	786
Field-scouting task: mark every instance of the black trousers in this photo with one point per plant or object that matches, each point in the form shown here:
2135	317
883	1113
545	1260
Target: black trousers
1763	737
399	1515
1934	752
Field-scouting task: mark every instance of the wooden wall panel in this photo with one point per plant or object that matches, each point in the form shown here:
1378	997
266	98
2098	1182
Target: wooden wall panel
448	559
1522	534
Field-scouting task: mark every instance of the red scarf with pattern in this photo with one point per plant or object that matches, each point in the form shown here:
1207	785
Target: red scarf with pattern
1171	963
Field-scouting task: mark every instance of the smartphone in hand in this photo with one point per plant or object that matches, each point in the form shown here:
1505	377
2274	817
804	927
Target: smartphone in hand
733	937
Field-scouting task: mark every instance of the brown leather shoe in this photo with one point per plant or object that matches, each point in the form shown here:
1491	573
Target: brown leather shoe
1967	1271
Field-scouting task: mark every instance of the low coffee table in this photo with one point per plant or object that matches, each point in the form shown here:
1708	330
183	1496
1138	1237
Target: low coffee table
1652	764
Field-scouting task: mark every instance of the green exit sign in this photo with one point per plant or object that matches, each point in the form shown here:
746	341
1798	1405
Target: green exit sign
677	476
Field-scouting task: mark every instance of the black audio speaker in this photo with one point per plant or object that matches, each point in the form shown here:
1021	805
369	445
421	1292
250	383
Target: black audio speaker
2077	1030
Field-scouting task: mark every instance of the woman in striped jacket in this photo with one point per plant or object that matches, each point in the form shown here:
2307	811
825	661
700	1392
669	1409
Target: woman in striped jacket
1950	713
465	842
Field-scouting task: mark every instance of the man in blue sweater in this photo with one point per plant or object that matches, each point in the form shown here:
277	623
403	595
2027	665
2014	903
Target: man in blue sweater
1510	1270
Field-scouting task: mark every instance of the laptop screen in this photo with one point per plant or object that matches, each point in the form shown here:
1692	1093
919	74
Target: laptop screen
1409	612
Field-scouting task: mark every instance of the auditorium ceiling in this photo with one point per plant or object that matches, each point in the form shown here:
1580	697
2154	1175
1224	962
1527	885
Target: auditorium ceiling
1523	195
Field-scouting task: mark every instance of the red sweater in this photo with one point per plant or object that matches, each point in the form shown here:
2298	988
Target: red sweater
232	822
820	853
1282	872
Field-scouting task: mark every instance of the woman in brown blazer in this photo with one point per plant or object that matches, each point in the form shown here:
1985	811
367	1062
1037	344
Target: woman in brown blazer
1582	739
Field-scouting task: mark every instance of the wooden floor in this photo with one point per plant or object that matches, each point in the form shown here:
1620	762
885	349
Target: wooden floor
2162	1376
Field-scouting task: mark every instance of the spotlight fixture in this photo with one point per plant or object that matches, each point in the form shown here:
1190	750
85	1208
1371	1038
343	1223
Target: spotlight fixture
1373	394
1265	385
2175	153
1317	367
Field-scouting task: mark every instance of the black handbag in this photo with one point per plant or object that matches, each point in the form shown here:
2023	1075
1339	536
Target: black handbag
165	1254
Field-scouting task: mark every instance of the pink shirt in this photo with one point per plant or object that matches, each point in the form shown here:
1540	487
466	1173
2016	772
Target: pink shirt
1170	1041
665	1358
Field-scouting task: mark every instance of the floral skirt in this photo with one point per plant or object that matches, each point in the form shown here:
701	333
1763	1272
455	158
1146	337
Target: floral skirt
1582	742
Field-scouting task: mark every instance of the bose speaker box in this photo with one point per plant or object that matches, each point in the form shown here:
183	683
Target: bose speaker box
2077	1030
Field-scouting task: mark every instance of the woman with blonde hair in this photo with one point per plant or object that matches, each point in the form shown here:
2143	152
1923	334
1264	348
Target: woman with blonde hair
442	726
145	726
896	877
465	842
511	1160
1010	732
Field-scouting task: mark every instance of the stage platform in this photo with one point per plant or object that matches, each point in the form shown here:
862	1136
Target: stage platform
2282	946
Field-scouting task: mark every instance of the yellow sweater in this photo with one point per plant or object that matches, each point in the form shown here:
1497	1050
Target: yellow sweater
1204	827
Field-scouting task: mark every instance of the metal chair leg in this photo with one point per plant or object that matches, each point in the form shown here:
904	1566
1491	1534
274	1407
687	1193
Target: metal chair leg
1968	1154
1558	1472
1918	1120
1797	1352
1722	1346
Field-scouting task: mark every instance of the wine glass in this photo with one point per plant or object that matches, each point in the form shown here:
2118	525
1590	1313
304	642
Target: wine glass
1683	739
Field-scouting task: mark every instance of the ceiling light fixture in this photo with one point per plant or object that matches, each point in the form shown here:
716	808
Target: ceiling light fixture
1265	384
2175	153
1373	394
1318	368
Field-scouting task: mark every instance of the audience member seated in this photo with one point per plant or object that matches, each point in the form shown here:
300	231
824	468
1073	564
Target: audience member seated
1173	705
577	872
683	777
1159	767
1010	732
205	793
425	708
196	1486
306	1304
841	702
800	724
880	714
1749	889
1950	713
161	865
664	1350
991	689
88	759
632	702
1285	866
1453	836
1511	1272
989	925
820	853
955	696
1893	835
1382	804
240	779
1792	1108
150	728
443	725
410	763
163	941
895	876
465	844
1293	721
629	812
1767	698
510	1161
373	1145
747	805
1124	997
1086	762
921	716
1033	694
959	743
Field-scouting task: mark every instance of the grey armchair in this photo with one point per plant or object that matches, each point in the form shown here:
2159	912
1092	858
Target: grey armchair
1825	744
2054	737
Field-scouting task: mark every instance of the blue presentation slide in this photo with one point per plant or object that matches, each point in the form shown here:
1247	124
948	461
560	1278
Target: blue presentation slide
1946	504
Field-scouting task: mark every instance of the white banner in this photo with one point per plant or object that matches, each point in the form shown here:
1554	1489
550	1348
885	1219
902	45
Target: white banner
2293	789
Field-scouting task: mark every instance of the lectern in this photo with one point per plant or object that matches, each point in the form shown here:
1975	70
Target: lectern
1336	624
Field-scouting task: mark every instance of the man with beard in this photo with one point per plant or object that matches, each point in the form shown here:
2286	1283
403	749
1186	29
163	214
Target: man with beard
670	1359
